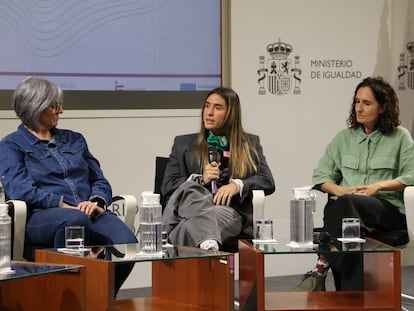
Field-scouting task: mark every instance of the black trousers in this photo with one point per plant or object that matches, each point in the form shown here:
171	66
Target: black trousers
375	215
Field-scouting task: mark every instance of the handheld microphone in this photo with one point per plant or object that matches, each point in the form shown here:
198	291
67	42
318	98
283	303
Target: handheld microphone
325	241
212	157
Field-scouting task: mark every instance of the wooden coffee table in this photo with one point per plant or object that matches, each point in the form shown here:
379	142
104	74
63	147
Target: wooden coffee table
39	286
186	278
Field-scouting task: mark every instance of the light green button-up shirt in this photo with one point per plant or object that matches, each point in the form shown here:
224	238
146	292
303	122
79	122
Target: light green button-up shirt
353	158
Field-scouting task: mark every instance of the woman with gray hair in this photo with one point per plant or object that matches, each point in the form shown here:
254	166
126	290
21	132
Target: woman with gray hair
53	171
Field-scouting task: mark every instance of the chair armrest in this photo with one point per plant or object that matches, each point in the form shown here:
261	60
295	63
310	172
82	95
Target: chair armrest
131	208
258	207
409	211
19	215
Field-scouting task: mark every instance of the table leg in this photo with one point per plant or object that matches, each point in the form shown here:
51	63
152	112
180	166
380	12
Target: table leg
100	276
251	278
206	282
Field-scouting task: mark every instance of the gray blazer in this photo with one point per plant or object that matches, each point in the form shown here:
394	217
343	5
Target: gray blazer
182	164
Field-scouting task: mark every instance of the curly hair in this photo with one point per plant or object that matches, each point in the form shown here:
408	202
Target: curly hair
385	95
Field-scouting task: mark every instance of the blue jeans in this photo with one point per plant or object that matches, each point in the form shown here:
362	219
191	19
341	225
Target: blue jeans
46	227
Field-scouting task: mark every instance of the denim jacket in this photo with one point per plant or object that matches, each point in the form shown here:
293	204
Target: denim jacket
47	173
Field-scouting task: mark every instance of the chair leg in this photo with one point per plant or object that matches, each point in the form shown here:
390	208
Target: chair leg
407	297
237	305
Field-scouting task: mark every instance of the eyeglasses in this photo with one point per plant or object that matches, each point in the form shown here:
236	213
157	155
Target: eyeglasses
57	106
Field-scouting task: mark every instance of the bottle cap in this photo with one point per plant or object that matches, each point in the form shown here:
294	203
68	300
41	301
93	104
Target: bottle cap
302	192
149	197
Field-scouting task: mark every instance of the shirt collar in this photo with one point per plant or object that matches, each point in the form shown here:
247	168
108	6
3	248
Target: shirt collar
374	136
33	139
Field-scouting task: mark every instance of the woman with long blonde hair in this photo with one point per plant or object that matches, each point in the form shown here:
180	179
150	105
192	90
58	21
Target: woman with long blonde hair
210	176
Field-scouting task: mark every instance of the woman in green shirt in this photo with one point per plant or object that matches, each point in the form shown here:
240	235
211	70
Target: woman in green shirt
364	171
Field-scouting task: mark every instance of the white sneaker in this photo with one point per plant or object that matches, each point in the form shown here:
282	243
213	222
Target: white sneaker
209	245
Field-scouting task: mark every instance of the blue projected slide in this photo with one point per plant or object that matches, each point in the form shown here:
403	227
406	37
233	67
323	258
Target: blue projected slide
112	45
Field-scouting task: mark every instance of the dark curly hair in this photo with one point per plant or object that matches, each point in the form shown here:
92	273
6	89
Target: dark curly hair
386	97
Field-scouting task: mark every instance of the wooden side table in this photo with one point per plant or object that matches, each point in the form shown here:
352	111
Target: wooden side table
382	281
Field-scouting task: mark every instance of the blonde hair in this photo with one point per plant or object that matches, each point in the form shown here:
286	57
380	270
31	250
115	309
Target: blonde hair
244	158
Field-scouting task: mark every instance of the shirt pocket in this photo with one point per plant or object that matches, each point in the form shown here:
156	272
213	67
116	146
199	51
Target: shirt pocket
73	148
350	162
40	163
383	163
74	156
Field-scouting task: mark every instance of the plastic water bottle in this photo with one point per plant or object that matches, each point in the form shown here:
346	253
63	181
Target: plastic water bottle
150	225
2	198
5	239
302	208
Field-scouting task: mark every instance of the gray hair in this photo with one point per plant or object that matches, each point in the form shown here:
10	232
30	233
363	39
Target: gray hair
33	96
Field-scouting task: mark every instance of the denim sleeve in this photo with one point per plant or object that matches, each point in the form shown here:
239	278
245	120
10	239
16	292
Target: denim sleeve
17	182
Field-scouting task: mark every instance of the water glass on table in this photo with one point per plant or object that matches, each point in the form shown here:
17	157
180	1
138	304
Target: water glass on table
74	237
351	228
264	229
351	233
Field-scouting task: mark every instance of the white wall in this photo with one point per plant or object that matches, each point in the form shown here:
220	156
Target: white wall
294	129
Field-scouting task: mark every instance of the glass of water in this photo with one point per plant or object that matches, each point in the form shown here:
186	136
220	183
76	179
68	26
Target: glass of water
74	237
264	229
351	228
